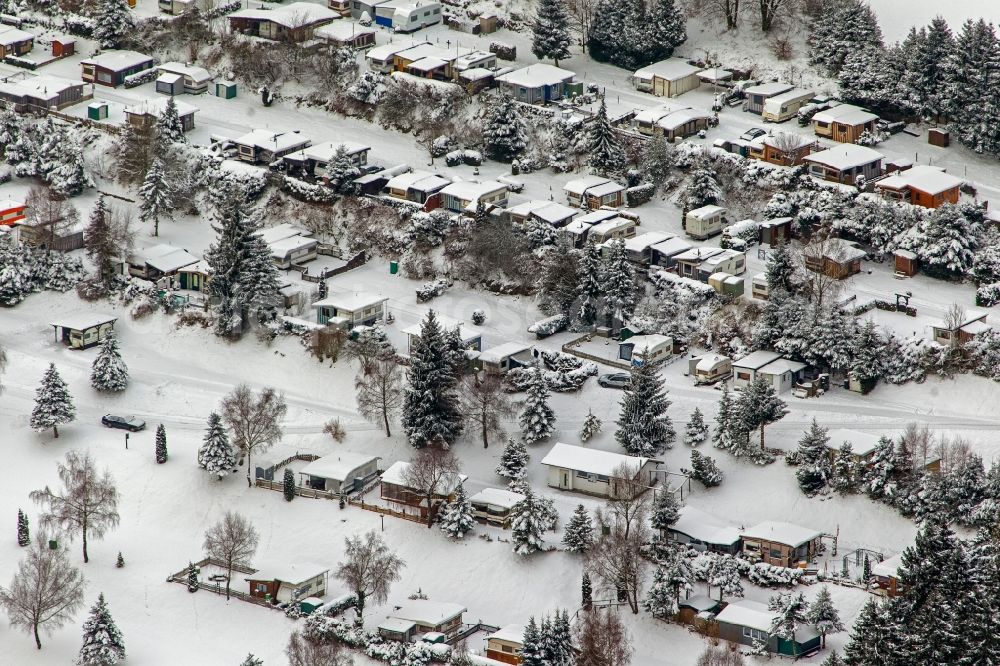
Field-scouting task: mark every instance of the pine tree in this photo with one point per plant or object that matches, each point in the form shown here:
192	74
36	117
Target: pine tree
561	640
873	637
823	614
702	189
620	284
704	469
586	592
696	430
868	362
666	510
504	132
644	429
660	601
537	420
252	660
192	578
840	30
791	612
726	419
430	405
945	241
112	23
926	80
550	32
288	484
154	196
169	128
161	444
607	155
846	471
101	246
216	454
513	461
882	469
591	426
591	287
759	406
833	660
53	403
812	456
109	372
23	535
102	641
632	34
724	574
120	562
456	518
666	28
529	519
779	270
531	648
578	536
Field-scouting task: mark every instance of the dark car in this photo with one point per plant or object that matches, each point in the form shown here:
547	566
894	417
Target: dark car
130	423
752	134
615	380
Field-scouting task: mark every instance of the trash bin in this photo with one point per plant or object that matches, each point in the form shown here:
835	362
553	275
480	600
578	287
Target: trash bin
393	267
53	544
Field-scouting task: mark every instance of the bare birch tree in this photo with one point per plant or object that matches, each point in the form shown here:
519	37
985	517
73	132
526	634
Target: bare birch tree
254	419
369	569
628	501
602	640
48	215
88	503
232	541
46	592
432	472
380	391
581	17
615	560
486	405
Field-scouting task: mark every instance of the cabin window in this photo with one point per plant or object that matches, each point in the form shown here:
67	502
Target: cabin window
775	552
507	648
602	478
743	376
260	588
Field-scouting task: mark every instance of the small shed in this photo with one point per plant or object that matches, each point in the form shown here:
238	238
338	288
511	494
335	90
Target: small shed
726	284
906	263
781	544
97	110
691	608
510	355
775	232
937	136
170	83
225	89
746	622
885	575
284	583
397	629
506	643
83	329
63	46
493	505
704	532
746	368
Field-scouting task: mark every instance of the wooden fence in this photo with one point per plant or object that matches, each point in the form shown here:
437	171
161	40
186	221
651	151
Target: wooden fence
571	348
386	511
300	491
181	578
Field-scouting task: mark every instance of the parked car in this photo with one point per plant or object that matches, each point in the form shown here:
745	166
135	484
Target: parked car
130	423
615	380
752	133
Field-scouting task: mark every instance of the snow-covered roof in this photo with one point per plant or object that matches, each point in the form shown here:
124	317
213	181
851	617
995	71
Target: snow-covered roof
7	204
604	189
651	115
39	87
281	231
757	359
427	612
783	140
706	211
428	50
646	240
475	74
970	317
781	366
156	106
535	76
420	180
845	156
888	567
745	613
500	352
672	69
708	361
577	227
293	15
326	151
342	31
718	258
976	327
846	114
610	225
905	254
351	301
768	89
466	62
780	532
337	466
164	258
396	625
386	51
10	35
197	74
787	96
699	602
396	473
672	246
924	178
170	77
715	74
547	211
512	633
446	323
837	249
81	321
469	190
595	216
428	64
593	461
273	141
697	254
281	248
288	573
681	117
504	499
117	61
649	341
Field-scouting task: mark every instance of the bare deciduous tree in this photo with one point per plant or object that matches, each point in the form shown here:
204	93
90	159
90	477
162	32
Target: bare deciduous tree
254	419
88	504
48	214
369	569
721	655
303	652
727	10
616	561
581	16
628	501
380	391
46	591
232	541
788	143
770	11
602	640
432	472
486	405
819	284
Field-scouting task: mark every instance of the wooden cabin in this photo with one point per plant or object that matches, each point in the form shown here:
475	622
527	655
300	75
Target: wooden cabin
493	506
667	78
781	544
423	616
15	42
41	93
295	22
704	532
591	471
698	610
549	212
284	583
973	325
782	149
112	67
593	192
885	575
346	35
834	257
261	146
145	114
921	185
401	497
158	261
506	643
775	232
845	164
745	622
844	123
905	262
537	84
83	329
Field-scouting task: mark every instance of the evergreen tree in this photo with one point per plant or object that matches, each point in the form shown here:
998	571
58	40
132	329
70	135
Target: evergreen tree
702	189
656	159
578	536
513	461
531	648
846	471
632	34
529	519
550	34
726	421
288	484
504	132
251	660
813	458
660	601
561	640
842	29
704	469
882	469
619	284
868	362
342	171
591	287
870	77
53	403
873	637
666	27
154	196
120	562
109	372
644	429
724	574
112	23
430	404
696	430
823	615
945	241
102	641
216	454
791	612
969	78
23	535
931	52
169	129
591	426
102	249
192	578
607	155
987	512
161	444
586	592
759	406
779	270
456	518
537	420
666	511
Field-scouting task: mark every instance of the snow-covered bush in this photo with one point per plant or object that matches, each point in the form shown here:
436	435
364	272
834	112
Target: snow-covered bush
433	289
310	192
640	194
503	51
146	76
768	575
550	325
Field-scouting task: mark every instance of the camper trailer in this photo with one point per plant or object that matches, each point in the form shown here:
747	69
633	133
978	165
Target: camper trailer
760	288
704	222
785	106
710	368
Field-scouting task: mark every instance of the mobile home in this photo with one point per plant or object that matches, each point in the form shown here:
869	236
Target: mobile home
407	15
592	471
710	368
643	349
756	96
667	78
705	222
785	106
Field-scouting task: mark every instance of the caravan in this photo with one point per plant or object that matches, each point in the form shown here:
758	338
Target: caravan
785	106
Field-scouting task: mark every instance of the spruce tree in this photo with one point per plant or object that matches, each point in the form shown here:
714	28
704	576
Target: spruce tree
660	601
23	534
868	363
790	612
504	132
760	406
842	29
812	456
779	270
823	614
288	484
550	31
98	240
666	510
620	284
456	518
702	189
561	643
112	23
537	420
216	454
154	196
704	469
252	660
833	660
529	519
192	578
169	129
724	573
513	461
725	421
161	444
531	648
846	471
644	429
607	155
109	372
430	404
591	426
881	470
53	403
873	637
120	562
586	592
696	430
592	284
578	536
926	80
102	641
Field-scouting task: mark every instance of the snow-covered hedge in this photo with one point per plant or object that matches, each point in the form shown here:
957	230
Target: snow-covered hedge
640	194
24	271
562	373
550	325
768	575
147	76
432	289
503	50
310	192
